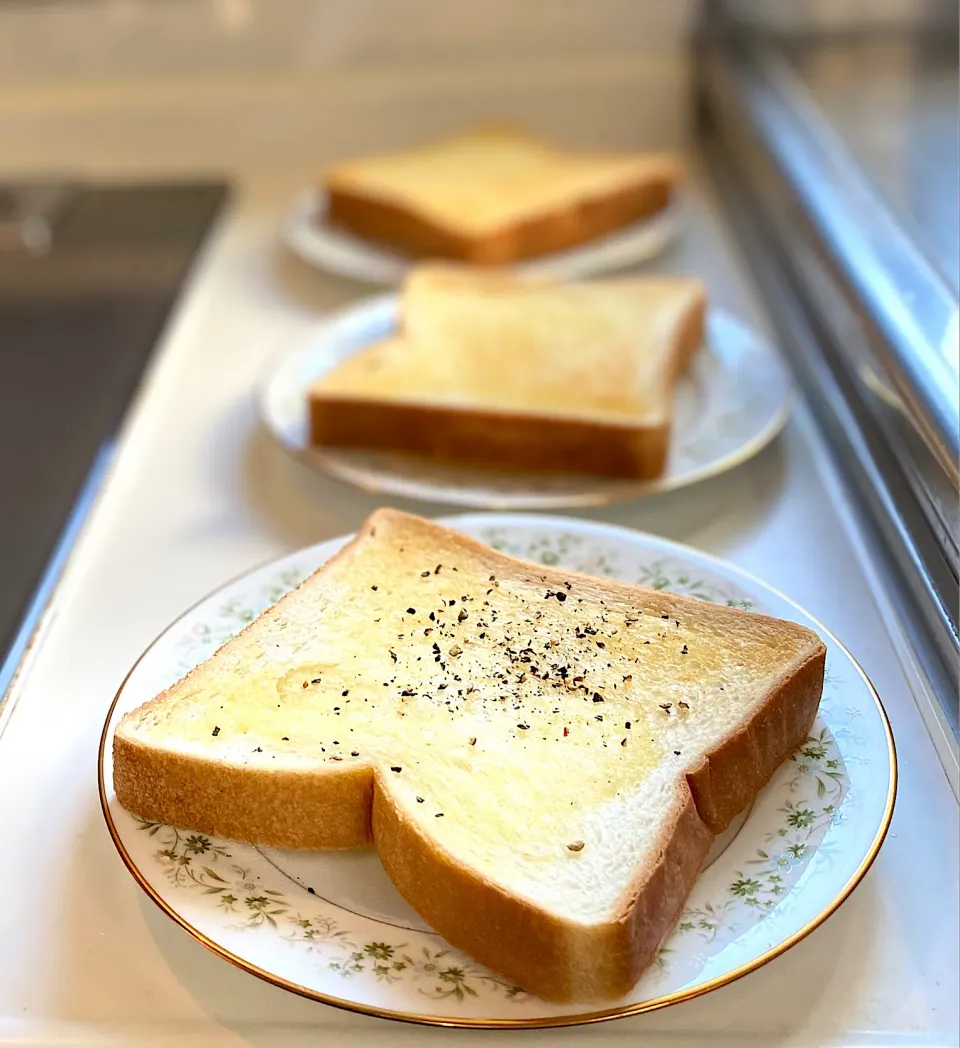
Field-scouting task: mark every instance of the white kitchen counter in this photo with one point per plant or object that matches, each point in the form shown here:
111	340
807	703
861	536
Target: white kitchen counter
199	492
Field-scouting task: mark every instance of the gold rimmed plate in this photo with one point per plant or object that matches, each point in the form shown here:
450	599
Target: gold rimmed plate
330	926
732	401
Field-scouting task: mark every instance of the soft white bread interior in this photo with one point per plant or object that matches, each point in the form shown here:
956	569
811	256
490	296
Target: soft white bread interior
540	758
519	371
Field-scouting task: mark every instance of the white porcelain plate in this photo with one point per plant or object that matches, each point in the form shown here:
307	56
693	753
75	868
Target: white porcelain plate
733	400
306	233
332	927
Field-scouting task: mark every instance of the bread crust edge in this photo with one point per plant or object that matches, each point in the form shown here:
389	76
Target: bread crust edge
417	235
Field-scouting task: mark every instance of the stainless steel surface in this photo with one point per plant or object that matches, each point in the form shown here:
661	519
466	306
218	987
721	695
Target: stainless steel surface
29	212
807	17
901	294
864	317
896	103
78	322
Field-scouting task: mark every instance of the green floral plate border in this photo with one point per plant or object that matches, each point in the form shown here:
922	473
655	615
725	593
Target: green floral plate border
733	400
331	927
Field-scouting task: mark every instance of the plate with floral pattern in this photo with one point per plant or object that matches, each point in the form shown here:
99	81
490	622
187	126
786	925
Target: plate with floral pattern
307	233
732	401
331	926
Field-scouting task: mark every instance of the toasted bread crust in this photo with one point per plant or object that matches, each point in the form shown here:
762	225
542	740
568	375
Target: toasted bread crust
416	235
347	807
502	439
555	959
321	808
729	778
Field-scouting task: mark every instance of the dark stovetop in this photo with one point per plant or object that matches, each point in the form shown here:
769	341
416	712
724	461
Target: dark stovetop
83	298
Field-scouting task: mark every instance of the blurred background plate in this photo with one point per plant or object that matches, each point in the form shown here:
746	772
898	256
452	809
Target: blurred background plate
733	400
306	234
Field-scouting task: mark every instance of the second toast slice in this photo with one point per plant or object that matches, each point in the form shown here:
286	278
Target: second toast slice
520	373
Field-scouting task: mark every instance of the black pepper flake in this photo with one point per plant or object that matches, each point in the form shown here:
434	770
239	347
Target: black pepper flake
316	680
684	705
347	692
597	697
424	574
411	611
473	742
600	644
599	717
664	616
259	749
436	570
676	753
623	742
374	588
216	730
310	890
419	800
354	753
396	768
286	738
684	650
665	706
628	725
463	615
523	726
439	815
561	597
335	757
576	846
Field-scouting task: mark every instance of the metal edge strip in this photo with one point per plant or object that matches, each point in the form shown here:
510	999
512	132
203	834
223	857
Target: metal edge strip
41	612
807	150
864	473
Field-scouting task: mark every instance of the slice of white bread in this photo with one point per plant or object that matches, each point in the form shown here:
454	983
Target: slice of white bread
520	373
540	758
495	195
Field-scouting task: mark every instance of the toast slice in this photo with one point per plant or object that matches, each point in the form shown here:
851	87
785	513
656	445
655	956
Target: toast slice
520	373
540	758
495	195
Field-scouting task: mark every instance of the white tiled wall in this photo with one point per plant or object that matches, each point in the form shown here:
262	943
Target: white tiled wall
91	39
149	83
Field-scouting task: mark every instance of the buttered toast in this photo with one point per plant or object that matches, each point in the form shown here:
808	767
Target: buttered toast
520	373
495	195
540	758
